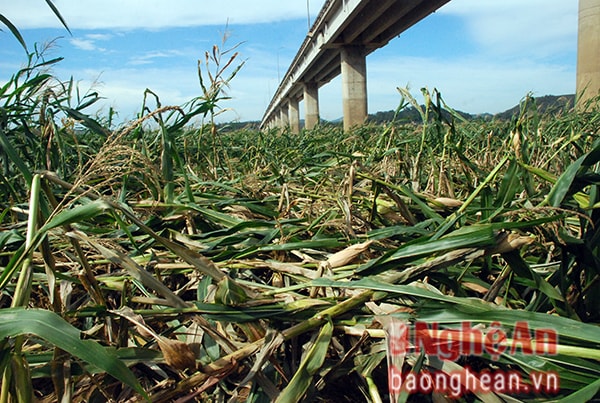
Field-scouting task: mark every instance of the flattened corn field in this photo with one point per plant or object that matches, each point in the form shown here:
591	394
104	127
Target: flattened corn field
169	259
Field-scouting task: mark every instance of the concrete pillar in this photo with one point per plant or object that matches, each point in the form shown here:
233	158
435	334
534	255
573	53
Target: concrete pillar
284	121
294	115
354	85
311	104
588	51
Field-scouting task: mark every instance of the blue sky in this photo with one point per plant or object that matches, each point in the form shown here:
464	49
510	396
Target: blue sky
482	55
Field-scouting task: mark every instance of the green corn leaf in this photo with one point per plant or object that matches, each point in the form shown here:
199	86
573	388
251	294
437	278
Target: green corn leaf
542	173
565	181
58	15
15	157
65	217
569	331
87	121
79	213
309	366
312	244
230	293
465	237
216	216
55	330
584	394
133	269
14	31
573	372
509	186
521	268
425	209
380	283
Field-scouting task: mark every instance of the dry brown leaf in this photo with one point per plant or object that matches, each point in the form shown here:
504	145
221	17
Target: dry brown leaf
511	242
474	287
447	202
178	354
347	255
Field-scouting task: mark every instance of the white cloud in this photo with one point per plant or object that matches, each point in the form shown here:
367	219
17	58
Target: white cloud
154	14
177	83
517	41
540	28
124	88
99	37
148	57
523	46
83	44
473	85
88	42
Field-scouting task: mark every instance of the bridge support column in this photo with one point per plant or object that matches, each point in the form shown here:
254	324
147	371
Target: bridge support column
284	121
354	85
588	51
294	115
311	104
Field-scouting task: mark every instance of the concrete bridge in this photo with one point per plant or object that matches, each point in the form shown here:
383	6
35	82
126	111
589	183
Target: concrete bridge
588	51
343	34
346	31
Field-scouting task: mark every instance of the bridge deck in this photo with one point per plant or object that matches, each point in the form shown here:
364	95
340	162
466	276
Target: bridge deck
370	24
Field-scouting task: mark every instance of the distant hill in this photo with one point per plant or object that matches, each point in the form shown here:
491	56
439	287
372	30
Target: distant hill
409	114
235	126
547	104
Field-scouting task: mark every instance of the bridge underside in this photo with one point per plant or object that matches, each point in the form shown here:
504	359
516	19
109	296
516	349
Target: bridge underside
345	32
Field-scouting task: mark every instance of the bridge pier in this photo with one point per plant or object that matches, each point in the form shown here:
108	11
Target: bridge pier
588	51
311	105
343	34
284	120
294	115
354	85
